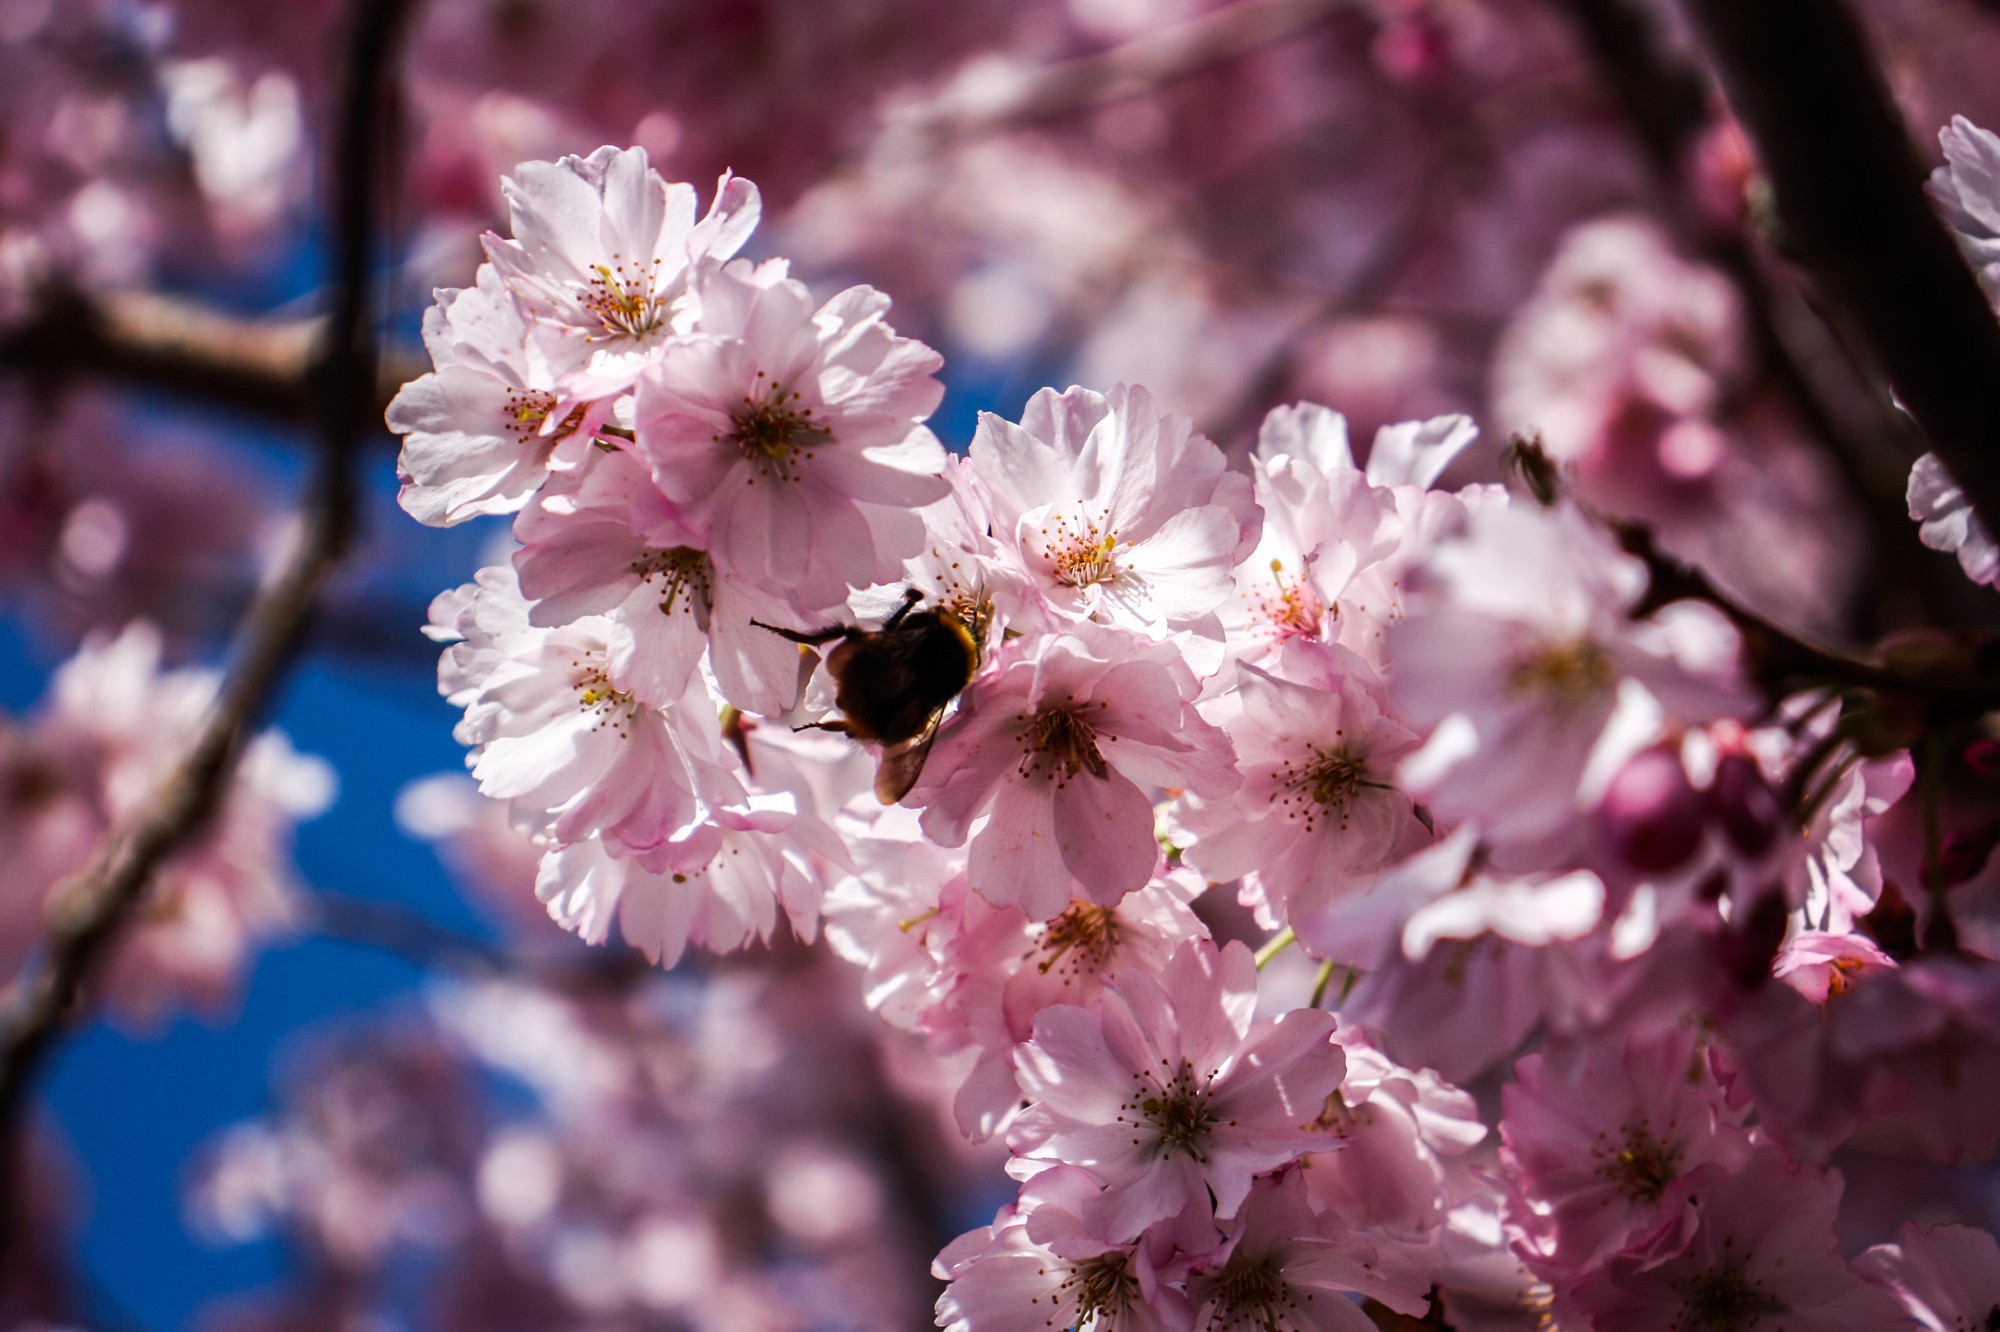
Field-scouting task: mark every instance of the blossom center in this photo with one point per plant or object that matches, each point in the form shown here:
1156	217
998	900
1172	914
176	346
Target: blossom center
1567	673
1179	1114
1840	973
1059	744
1084	933
1644	1167
687	577
614	707
1101	1285
1295	610
1255	1294
1320	784
623	300
1081	551
775	433
527	413
1724	1300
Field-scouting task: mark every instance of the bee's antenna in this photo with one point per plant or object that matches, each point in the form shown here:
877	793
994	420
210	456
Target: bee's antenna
911	596
810	637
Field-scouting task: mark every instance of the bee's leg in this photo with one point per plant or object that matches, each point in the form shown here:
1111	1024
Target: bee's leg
811	637
736	730
837	725
911	596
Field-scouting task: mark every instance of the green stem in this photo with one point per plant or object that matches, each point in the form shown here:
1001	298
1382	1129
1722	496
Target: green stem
1278	944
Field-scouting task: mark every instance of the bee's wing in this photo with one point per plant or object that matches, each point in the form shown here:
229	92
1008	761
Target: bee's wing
901	762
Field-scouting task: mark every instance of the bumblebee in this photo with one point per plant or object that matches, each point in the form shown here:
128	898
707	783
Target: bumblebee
893	684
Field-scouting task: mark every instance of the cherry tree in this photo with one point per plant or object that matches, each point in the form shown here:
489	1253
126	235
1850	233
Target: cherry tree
988	805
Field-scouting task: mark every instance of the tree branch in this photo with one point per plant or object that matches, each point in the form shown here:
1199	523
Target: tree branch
1849	192
1665	98
1784	661
86	919
1131	70
1401	239
391	927
173	345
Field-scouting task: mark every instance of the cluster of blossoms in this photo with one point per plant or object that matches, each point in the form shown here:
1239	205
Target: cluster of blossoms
85	764
655	1166
1466	752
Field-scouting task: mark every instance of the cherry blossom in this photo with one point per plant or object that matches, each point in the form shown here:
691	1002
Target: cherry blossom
759	862
1402	1134
1038	1266
600	259
1319	750
1113	509
92	755
575	755
1050	744
1324	521
1003	969
609	544
481	429
1967	187
1822	966
1168	1093
791	439
1528	659
1601	1140
1283	1267
1947	1277
1761	1258
1615	844
888	916
1948	522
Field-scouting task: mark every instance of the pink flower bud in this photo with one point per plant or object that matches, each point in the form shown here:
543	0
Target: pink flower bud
1742	799
1651	817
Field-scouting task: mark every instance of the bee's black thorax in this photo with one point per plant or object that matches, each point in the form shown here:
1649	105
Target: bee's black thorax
891	682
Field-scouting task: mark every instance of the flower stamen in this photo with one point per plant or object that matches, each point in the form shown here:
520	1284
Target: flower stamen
689	580
1082	552
1088	931
624	301
1567	673
777	434
615	708
1295	610
1060	744
1178	1114
1724	1300
1644	1167
1102	1287
1255	1294
1322	785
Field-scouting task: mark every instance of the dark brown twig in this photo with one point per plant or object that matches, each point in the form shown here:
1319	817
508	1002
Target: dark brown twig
1850	202
1664	97
1785	661
86	918
1780	660
173	345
